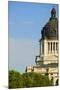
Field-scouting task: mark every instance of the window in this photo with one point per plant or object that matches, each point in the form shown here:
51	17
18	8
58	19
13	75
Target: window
48	47
51	73
51	46
54	46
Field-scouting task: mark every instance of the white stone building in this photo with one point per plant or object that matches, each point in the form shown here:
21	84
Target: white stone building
47	60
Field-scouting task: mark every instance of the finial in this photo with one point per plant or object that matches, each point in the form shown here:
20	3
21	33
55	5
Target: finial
53	12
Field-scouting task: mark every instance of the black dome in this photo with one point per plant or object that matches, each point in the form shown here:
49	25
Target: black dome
50	30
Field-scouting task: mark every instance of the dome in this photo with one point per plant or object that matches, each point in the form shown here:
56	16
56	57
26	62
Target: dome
50	30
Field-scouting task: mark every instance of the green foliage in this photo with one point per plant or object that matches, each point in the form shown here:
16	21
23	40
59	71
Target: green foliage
28	81
37	80
17	80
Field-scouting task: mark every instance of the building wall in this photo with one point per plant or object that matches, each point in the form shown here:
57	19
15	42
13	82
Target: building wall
49	51
48	55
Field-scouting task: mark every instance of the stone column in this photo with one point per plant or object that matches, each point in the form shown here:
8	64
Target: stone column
40	47
55	47
50	48
45	47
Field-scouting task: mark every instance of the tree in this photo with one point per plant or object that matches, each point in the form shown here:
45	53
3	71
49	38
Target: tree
36	80
41	80
28	81
15	79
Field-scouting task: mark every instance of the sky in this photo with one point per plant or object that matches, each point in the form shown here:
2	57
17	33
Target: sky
25	22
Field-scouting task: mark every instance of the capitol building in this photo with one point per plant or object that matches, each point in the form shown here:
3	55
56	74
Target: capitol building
47	60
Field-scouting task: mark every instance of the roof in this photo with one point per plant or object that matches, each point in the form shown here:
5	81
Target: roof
50	30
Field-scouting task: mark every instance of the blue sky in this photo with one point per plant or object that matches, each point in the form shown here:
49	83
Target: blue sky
25	23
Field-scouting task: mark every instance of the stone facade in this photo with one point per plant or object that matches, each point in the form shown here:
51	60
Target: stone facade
47	61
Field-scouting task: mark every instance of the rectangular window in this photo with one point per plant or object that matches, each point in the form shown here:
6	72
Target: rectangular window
48	47
51	46
54	46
